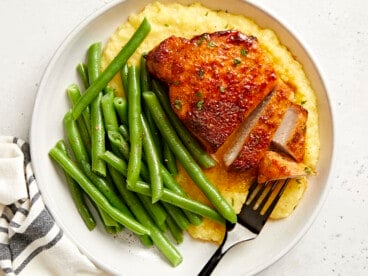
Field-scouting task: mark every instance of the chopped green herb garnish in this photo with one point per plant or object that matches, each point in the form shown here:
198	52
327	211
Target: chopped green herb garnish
199	94
206	14
176	83
166	25
203	37
237	61
222	89
211	44
303	102
177	104
200	40
200	73
307	170
244	52
200	104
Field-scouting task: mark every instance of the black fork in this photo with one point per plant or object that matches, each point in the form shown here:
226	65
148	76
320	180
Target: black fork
258	206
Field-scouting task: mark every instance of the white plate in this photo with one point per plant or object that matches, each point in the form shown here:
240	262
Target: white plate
124	255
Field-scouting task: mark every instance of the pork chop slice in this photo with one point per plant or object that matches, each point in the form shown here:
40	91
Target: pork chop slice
275	166
290	136
253	138
215	81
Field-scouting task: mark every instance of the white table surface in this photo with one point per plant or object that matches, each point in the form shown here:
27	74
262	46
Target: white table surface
335	31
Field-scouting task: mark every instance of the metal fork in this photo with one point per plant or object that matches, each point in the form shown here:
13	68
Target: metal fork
251	219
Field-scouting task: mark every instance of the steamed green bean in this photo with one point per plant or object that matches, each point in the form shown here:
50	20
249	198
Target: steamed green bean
112	69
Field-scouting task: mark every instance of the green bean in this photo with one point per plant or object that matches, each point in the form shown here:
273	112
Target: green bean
182	154
116	178
84	134
145	78
112	69
124	131
169	159
97	126
117	163
108	111
106	219
83	161
153	161
83	74
105	187
118	144
109	89
121	166
75	139
161	242
178	215
77	195
94	54
172	185
181	202
121	107
146	86
73	92
97	137
72	169
110	225
156	136
175	230
193	218
199	154
135	126
113	230
156	211
74	95
124	78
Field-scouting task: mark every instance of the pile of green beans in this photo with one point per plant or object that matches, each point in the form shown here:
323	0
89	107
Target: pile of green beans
124	154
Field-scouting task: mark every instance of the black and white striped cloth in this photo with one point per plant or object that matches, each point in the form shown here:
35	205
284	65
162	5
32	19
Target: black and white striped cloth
31	243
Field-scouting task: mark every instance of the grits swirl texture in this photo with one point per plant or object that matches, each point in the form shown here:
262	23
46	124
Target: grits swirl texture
195	19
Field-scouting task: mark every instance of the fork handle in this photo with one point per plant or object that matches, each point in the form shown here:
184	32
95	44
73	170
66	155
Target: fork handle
212	263
217	256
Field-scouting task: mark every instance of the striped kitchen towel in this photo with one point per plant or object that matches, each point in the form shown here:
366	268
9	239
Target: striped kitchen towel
31	243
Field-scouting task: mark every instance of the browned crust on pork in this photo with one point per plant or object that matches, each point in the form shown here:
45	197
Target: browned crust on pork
215	81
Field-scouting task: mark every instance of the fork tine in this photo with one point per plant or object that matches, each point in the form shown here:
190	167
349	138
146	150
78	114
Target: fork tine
254	199
276	199
267	196
251	189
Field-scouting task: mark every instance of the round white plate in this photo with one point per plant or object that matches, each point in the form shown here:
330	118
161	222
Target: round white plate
123	254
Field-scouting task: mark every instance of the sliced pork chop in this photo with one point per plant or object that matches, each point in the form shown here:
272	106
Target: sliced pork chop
253	138
290	136
215	81
275	166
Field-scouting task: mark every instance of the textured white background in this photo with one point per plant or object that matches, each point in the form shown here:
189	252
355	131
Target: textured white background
335	31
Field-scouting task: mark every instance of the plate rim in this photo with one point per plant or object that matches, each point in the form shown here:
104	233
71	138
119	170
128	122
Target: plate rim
100	11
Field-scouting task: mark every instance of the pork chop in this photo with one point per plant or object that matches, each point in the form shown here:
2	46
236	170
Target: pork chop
215	81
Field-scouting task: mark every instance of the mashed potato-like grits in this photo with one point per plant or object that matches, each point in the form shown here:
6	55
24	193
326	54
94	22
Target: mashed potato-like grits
195	19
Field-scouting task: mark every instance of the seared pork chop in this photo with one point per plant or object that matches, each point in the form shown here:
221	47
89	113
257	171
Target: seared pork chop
290	136
215	81
254	136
